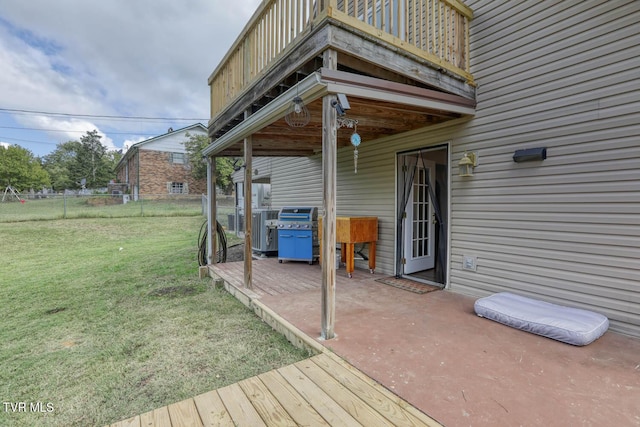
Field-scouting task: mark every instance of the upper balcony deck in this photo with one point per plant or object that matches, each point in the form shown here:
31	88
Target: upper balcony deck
284	36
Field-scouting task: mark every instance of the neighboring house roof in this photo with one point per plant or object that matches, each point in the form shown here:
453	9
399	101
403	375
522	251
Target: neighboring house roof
198	128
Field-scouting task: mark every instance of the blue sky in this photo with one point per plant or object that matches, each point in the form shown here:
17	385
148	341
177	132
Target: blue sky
70	66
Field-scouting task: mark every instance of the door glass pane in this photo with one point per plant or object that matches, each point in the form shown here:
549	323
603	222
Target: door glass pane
420	208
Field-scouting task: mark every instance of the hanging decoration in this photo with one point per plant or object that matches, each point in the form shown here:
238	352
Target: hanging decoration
355	141
355	137
297	115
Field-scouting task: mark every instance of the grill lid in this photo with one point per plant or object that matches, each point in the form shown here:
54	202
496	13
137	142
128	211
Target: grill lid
298	213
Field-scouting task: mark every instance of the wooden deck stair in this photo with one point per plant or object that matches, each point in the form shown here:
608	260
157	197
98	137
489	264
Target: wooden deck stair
321	390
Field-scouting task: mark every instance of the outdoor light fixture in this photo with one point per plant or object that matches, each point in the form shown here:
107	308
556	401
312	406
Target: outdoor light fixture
341	104
297	115
530	155
467	163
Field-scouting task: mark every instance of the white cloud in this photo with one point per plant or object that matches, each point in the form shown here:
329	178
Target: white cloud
4	144
129	142
146	58
67	129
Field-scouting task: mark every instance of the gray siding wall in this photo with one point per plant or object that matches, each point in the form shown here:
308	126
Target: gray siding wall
561	75
296	181
261	170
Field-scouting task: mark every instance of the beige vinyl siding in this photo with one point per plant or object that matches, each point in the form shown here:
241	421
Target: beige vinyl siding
296	181
565	230
261	170
372	191
561	75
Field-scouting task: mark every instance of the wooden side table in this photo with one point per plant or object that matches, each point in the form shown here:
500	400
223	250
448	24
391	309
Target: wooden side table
351	230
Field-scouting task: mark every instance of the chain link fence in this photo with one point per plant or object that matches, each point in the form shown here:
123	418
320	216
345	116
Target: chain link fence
74	205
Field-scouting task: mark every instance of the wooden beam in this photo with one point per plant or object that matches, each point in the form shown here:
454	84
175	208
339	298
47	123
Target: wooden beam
248	155
329	178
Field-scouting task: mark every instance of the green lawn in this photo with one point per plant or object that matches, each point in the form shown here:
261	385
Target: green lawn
105	318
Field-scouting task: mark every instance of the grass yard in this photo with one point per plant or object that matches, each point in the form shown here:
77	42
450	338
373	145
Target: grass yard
105	318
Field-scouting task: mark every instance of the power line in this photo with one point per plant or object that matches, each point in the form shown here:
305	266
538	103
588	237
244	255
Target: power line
27	140
97	116
75	131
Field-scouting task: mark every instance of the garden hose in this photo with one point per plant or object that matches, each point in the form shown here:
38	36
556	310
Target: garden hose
221	255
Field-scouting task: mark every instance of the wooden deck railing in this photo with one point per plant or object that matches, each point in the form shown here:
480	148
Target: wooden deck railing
436	30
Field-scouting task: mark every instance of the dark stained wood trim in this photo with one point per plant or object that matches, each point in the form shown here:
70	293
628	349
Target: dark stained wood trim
375	83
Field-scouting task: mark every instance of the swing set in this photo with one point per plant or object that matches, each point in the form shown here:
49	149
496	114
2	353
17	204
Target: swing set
11	192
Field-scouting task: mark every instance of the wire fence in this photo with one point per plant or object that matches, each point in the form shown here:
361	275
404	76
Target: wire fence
67	206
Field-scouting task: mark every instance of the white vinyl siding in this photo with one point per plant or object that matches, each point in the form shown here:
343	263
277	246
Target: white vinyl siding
173	141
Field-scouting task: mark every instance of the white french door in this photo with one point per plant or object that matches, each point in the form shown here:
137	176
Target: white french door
419	221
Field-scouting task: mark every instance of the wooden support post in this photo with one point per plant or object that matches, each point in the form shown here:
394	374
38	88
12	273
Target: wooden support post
248	154
329	179
329	157
212	212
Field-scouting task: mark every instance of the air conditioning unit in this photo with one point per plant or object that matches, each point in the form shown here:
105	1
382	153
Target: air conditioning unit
264	231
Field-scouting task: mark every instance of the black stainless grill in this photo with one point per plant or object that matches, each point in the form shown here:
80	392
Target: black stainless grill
298	234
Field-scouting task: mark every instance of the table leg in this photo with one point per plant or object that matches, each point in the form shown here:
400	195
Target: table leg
350	261
343	252
372	256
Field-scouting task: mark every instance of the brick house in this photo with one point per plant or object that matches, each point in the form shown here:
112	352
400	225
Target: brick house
159	165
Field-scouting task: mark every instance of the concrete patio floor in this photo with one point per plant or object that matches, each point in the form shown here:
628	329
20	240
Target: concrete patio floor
433	351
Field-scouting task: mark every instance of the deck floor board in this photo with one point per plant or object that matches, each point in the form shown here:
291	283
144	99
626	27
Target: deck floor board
239	405
317	391
321	390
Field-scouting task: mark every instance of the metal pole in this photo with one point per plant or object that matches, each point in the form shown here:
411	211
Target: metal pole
212	244
248	153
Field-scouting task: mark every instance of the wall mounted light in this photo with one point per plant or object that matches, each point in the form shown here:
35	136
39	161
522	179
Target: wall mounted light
467	163
530	155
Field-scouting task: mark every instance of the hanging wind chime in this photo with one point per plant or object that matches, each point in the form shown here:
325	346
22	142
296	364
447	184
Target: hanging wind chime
355	141
355	138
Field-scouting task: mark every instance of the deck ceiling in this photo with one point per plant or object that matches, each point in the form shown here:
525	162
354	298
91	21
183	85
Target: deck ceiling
382	108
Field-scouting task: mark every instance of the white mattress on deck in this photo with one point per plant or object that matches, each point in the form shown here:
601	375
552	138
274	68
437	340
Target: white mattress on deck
570	325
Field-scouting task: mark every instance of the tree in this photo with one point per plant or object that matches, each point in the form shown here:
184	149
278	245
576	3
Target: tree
87	159
89	164
58	163
224	165
21	170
